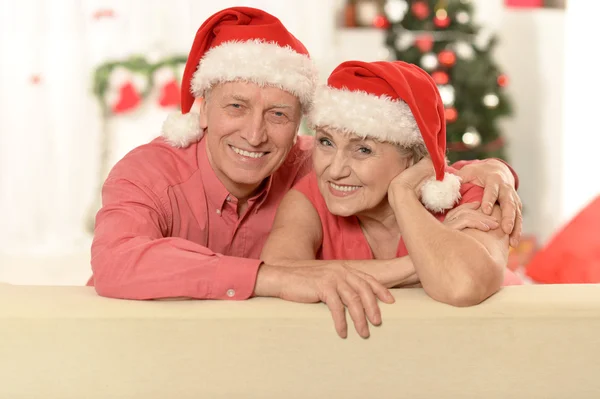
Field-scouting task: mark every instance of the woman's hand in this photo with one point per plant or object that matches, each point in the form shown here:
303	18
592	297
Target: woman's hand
469	216
412	178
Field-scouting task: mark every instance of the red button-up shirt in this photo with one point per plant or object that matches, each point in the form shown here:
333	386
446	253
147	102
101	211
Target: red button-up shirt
169	228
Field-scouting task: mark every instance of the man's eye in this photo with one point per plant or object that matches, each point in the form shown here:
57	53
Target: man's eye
236	105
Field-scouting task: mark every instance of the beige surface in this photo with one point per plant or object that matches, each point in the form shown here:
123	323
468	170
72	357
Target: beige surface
525	342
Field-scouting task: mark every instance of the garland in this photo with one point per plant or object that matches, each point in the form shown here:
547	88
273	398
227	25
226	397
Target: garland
122	87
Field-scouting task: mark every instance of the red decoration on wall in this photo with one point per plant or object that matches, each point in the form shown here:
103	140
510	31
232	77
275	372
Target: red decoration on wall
524	3
420	9
451	114
502	80
447	58
129	98
169	95
424	43
441	22
440	77
381	22
104	13
35	79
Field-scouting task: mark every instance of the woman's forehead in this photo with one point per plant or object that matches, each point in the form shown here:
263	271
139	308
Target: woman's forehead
347	135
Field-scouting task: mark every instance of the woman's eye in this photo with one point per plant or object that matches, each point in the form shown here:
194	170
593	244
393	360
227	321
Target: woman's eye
364	150
325	142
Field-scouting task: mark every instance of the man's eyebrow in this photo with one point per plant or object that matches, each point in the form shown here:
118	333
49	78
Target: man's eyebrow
239	98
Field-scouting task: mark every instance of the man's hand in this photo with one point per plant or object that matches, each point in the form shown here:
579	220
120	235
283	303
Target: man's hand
470	216
335	285
498	183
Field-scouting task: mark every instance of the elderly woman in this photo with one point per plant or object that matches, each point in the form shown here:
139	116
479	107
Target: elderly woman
381	190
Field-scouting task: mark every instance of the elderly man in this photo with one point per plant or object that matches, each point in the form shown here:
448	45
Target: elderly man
187	214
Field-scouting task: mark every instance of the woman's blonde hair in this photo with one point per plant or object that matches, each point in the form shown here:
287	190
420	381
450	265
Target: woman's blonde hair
415	152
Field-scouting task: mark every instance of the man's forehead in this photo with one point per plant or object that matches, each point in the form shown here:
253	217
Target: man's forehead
248	92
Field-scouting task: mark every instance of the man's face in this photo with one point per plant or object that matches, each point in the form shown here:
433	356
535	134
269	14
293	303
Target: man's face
249	132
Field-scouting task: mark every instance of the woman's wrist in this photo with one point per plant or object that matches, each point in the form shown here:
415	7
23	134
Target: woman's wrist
399	193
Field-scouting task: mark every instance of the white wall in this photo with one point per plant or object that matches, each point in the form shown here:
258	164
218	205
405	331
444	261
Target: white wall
581	140
532	52
554	135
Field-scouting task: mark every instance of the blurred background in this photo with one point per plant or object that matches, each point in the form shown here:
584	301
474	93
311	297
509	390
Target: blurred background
84	81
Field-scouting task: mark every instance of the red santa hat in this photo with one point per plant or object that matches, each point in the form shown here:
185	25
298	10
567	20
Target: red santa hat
394	102
240	43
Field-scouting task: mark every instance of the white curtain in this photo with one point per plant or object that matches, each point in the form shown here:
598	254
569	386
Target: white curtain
50	122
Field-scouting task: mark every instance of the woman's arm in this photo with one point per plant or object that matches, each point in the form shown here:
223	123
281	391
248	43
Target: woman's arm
297	235
296	232
461	268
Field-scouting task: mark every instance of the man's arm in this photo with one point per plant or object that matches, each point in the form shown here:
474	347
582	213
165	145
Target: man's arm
132	258
497	163
500	182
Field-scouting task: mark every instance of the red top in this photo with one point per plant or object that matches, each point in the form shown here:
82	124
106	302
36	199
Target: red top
343	237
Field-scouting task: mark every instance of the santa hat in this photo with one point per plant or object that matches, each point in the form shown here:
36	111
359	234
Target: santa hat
394	102
240	43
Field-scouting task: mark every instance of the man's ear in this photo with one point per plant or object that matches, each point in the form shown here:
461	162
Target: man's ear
203	109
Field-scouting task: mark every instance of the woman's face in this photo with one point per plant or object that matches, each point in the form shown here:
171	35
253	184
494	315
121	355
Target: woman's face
354	173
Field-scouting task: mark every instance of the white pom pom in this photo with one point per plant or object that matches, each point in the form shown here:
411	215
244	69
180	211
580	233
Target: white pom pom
438	196
180	130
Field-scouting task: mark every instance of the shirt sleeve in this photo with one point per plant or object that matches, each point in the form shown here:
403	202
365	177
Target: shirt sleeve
459	165
133	258
470	193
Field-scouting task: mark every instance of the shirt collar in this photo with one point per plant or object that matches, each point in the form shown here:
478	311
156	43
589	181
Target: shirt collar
216	193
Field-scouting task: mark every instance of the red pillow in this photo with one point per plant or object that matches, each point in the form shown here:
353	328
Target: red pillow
573	255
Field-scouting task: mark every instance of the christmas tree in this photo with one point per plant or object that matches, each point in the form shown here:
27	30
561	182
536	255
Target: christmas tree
440	37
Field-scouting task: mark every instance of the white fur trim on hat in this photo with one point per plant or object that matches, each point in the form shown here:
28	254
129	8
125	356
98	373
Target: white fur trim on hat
259	62
366	115
438	196
180	130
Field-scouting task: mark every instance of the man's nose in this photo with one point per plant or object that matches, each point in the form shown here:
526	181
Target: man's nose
256	131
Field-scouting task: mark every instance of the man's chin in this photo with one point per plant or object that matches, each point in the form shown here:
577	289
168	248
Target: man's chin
248	177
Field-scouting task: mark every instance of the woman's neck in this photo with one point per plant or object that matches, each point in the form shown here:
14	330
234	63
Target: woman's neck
380	220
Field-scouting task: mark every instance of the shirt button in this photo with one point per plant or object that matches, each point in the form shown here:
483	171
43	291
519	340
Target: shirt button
228	199
218	211
230	293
